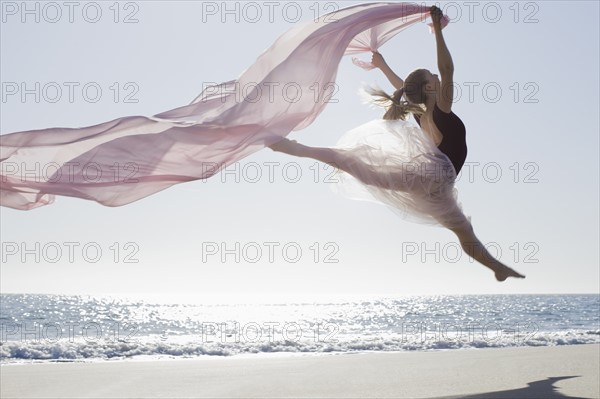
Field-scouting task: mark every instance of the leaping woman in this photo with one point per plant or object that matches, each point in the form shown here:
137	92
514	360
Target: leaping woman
412	169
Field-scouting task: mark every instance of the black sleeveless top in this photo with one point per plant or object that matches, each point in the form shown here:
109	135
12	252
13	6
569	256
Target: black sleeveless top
453	130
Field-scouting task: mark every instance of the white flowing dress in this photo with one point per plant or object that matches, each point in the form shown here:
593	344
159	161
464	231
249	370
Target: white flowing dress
397	164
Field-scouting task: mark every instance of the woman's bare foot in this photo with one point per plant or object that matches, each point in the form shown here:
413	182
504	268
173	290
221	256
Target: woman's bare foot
284	145
507	272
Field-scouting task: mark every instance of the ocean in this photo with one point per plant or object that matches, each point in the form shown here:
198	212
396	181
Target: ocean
68	328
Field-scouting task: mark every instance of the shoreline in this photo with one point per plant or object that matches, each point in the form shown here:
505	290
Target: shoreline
517	372
262	355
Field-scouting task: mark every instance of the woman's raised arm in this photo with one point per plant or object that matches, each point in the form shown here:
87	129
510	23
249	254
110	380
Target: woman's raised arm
380	63
445	64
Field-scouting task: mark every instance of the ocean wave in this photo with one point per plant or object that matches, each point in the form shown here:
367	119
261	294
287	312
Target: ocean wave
186	347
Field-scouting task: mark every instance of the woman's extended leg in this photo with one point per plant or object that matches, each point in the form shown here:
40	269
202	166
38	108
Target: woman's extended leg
476	250
337	158
330	156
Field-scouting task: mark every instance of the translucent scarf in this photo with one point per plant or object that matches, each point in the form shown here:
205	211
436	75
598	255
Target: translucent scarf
129	158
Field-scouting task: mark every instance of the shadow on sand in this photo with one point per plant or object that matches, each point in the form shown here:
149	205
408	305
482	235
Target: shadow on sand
542	389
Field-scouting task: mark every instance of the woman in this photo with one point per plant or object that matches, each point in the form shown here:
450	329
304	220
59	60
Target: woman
435	154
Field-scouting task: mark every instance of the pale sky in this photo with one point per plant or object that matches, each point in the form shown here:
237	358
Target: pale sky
529	78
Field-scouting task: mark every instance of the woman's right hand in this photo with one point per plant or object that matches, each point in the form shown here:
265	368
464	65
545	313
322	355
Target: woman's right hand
377	60
436	15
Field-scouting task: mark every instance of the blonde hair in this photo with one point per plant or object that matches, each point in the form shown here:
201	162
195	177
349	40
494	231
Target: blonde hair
413	90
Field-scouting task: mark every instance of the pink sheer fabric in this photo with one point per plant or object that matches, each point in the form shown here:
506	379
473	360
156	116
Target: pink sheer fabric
126	159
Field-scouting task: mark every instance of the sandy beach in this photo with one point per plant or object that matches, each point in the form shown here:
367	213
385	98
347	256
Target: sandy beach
528	372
